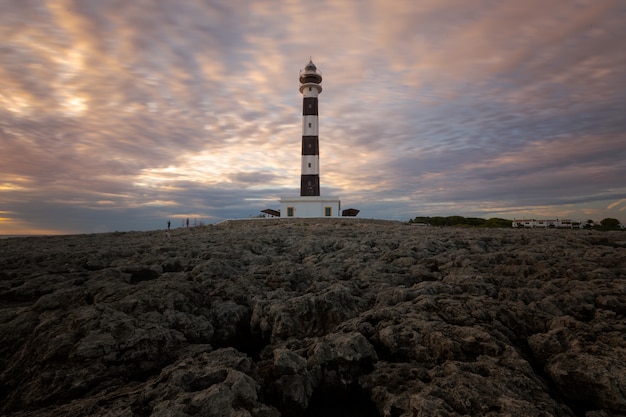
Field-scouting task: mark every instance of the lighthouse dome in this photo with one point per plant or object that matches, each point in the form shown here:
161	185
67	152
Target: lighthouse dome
310	66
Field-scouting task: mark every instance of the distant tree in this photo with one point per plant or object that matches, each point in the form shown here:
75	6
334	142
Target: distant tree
438	221
497	222
420	219
454	220
609	223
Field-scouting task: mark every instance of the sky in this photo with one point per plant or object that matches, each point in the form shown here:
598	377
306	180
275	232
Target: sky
120	115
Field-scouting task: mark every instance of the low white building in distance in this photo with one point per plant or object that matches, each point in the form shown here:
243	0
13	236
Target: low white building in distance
556	223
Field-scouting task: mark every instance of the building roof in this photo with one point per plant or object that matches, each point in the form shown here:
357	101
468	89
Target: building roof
350	212
271	212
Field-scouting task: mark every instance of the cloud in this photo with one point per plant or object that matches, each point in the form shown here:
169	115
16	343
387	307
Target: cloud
617	204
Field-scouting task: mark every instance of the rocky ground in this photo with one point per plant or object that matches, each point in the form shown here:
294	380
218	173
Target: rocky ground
310	318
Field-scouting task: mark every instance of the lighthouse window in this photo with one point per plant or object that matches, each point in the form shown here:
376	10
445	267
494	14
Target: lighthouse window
309	165
290	211
309	88
309	124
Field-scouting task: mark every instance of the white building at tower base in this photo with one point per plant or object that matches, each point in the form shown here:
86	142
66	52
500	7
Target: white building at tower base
310	206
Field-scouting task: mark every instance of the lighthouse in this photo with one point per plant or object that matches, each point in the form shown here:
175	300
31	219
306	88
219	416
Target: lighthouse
310	203
310	88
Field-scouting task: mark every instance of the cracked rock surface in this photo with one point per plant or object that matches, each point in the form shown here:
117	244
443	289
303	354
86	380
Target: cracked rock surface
317	317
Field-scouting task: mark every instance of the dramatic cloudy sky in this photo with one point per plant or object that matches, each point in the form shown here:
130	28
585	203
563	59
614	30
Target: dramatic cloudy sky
120	115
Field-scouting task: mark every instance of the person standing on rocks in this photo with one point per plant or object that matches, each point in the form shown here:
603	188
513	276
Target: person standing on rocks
168	225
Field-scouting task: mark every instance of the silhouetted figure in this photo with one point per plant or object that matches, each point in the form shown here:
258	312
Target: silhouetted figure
187	221
168	225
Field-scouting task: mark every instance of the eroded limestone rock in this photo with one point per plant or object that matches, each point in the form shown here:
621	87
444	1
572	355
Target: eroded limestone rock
292	318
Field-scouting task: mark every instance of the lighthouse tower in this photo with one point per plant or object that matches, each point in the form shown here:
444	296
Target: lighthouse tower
310	88
310	203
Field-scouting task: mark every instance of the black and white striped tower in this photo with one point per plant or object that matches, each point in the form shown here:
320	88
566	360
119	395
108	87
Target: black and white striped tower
310	88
